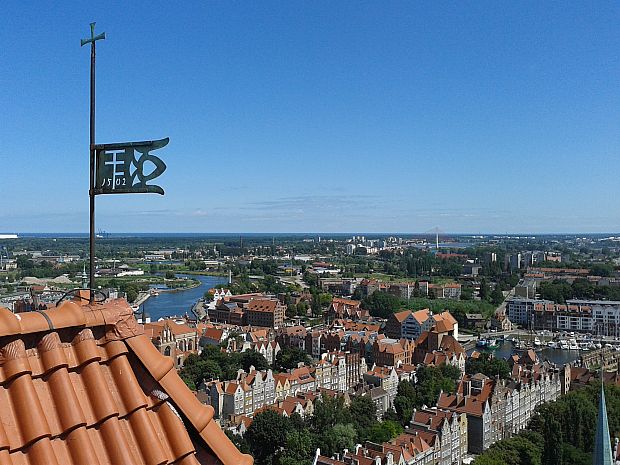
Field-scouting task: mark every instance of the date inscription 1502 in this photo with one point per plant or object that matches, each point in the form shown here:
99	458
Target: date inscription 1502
119	171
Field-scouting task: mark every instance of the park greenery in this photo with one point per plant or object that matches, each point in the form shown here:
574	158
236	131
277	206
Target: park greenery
273	439
561	433
488	365
560	291
382	304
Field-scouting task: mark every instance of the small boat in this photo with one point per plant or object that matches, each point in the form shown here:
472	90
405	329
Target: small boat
537	341
552	345
481	343
492	344
564	345
572	344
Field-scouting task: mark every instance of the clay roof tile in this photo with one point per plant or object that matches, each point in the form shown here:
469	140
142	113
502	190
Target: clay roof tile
92	388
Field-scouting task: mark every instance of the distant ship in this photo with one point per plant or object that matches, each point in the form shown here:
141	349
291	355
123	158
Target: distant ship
8	236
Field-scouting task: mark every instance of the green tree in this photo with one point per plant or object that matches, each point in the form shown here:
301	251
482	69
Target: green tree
253	358
299	448
497	297
364	414
170	274
339	437
552	432
266	435
381	304
290	357
385	431
487	365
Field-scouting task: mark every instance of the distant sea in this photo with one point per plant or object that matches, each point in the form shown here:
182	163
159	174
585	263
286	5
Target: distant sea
59	235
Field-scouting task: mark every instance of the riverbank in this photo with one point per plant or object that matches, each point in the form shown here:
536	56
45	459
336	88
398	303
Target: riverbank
195	283
182	301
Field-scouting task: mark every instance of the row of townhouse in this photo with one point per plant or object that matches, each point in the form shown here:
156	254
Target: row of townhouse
498	409
302	404
242	396
594	316
345	335
445	431
339	371
387	378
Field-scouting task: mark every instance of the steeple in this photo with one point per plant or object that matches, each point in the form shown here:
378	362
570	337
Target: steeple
84	277
602	441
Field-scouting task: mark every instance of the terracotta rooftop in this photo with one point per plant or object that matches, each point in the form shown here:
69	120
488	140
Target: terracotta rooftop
402	316
83	385
263	305
422	315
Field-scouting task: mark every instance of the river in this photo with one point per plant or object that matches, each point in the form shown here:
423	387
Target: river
180	302
557	356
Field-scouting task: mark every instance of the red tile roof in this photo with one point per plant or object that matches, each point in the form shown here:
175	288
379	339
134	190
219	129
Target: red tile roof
84	385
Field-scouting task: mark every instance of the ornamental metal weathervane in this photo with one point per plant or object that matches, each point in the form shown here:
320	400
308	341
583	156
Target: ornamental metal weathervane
114	168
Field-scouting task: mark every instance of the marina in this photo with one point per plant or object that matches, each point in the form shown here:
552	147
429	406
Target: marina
505	348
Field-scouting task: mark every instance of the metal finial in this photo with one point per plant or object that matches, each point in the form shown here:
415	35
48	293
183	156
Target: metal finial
93	38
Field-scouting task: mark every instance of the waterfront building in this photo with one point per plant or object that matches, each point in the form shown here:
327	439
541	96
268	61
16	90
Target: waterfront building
601	317
265	312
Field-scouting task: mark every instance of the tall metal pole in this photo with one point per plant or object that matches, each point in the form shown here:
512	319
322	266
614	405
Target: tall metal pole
91	191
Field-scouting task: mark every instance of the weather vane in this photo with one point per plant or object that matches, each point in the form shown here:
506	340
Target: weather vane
114	168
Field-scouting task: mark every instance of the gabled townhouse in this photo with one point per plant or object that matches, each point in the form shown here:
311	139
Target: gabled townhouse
346	308
390	352
282	386
475	398
268	349
292	336
242	396
385	378
451	430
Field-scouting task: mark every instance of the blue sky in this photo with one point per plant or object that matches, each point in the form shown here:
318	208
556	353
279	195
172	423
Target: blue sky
326	116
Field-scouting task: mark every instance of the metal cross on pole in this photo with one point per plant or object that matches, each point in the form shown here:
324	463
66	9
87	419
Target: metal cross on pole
93	38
